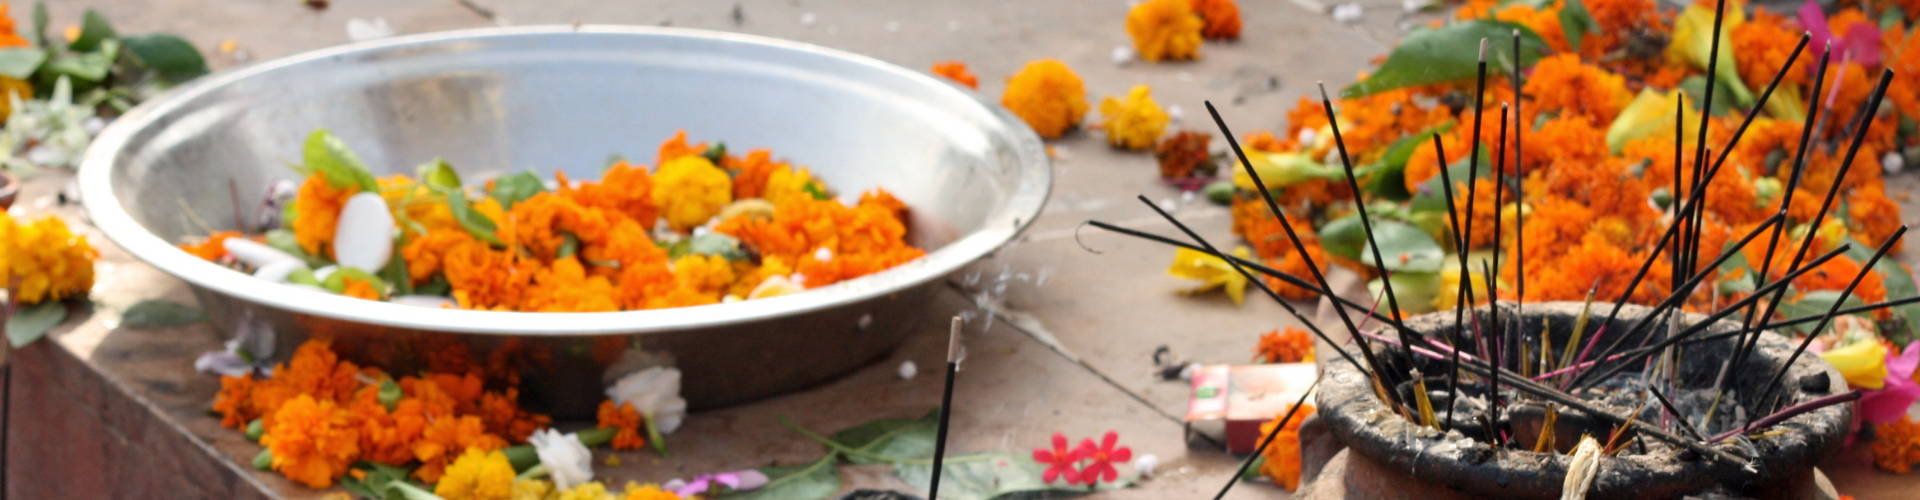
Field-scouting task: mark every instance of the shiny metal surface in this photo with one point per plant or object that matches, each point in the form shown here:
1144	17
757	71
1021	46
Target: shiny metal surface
565	98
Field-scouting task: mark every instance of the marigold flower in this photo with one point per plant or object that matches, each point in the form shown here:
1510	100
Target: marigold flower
233	401
676	147
1896	445
48	260
213	247
1048	96
1165	29
1134	122
1563	84
1283	455
1185	156
860	240
477	475
623	188
316	209
443	437
1292	345
1873	217
690	191
312	441
1222	18
8	36
626	421
957	71
1294	264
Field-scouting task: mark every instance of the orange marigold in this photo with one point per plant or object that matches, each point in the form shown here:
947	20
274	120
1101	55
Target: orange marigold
1165	29
565	286
1896	445
1283	454
957	71
1563	84
623	188
312	442
316	211
213	247
677	146
627	421
1762	44
233	402
444	439
826	241
1292	345
8	36
1873	217
1048	96
1222	18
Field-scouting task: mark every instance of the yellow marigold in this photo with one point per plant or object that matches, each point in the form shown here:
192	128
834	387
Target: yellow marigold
477	475
1283	455
1135	121
443	436
1048	96
1165	29
691	190
1222	17
785	183
566	287
587	491
316	211
312	442
50	262
416	208
532	489
709	275
626	420
957	71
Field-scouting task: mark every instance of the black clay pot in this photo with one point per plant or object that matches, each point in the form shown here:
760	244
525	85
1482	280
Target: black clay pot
1435	465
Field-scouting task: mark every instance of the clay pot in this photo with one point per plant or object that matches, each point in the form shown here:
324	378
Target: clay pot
1412	461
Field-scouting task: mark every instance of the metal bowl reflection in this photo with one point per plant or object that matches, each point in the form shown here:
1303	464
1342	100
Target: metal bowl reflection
565	99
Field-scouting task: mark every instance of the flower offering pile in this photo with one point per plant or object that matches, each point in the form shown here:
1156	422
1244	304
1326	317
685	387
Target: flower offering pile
703	226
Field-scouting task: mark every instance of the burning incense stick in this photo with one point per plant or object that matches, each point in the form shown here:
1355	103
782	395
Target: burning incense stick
946	407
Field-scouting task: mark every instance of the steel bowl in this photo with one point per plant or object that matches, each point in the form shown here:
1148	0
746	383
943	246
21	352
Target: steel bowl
564	99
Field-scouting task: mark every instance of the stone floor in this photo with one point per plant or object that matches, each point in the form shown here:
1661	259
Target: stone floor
1060	354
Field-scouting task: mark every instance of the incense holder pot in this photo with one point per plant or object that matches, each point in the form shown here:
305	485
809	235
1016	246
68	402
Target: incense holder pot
1389	456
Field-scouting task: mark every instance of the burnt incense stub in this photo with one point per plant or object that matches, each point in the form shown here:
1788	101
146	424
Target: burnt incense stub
1463	460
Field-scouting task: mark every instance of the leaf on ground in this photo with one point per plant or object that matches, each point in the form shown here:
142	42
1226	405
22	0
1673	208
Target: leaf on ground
1402	246
891	437
982	476
32	322
816	480
155	313
1450	53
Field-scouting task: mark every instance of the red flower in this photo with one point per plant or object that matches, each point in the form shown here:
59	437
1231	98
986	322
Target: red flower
1102	458
1060	460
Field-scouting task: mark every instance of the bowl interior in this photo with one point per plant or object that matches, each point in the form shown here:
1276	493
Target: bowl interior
567	99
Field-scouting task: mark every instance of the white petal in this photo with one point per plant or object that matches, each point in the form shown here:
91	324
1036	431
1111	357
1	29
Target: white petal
568	462
277	271
364	237
654	392
256	254
1146	463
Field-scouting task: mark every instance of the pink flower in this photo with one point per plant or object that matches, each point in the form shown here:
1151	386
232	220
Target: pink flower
1892	400
1100	467
1060	460
1860	44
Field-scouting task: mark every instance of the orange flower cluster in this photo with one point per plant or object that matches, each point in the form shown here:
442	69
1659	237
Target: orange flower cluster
1896	445
322	413
957	71
1048	96
1283	455
1222	18
589	246
627	421
1292	345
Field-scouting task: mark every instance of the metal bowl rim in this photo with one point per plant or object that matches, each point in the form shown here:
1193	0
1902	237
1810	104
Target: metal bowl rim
95	183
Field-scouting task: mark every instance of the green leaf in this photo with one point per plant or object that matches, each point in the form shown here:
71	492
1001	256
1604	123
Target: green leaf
21	62
1899	284
819	192
1450	53
325	154
569	244
32	322
173	58
304	276
1414	291
93	30
893	437
395	272
1389	175
715	153
473	221
511	189
1402	246
1813	303
156	313
1432	196
283	240
438	286
438	173
1696	86
39	33
1576	22
85	67
982	476
337	280
816	480
389	394
711	243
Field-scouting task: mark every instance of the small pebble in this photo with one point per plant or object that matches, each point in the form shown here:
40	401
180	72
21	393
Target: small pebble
1146	463
361	30
908	370
1175	113
1347	12
1893	163
807	19
1122	55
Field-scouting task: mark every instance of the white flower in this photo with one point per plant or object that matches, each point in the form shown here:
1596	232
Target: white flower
567	461
1347	12
908	370
655	393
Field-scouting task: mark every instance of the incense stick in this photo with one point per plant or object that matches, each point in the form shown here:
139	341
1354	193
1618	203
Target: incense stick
1366	221
946	407
1773	384
1268	440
